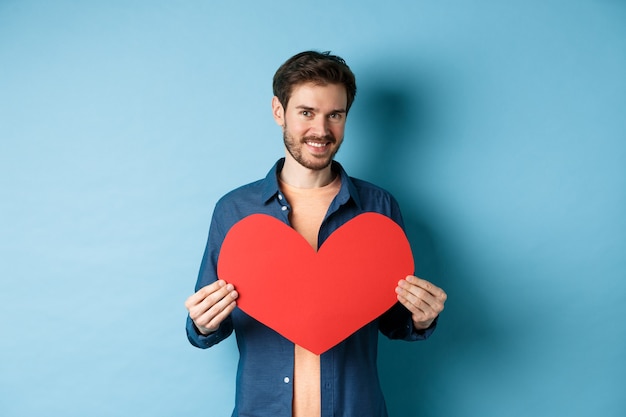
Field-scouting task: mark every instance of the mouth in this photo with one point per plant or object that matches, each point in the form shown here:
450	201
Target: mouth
319	144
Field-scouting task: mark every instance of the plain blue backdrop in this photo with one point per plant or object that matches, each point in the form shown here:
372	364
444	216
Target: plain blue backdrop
499	126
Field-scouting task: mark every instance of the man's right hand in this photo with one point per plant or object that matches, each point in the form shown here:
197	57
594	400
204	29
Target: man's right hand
210	305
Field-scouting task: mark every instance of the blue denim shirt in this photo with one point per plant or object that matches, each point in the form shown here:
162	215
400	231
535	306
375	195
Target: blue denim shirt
349	375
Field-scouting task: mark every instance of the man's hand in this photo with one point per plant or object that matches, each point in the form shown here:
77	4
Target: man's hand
424	300
211	305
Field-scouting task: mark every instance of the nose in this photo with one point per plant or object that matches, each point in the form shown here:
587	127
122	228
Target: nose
319	126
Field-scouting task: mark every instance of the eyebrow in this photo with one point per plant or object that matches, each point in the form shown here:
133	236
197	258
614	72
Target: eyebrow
308	108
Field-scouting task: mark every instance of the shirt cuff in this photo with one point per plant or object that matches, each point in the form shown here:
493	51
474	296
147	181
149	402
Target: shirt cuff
423	334
206	341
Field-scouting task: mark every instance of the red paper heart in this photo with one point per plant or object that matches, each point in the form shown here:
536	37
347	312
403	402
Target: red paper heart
315	299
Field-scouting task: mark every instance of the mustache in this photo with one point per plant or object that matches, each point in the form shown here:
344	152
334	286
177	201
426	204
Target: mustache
322	139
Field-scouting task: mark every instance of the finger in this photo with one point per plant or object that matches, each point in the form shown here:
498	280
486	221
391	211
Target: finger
213	322
415	305
427	286
209	315
207	291
415	294
199	296
419	300
422	317
425	290
219	299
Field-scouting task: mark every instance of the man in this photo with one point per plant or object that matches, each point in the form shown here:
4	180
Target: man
312	193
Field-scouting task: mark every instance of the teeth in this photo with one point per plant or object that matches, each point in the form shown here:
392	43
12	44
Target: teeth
316	145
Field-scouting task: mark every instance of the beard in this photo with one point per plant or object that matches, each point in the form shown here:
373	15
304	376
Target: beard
295	148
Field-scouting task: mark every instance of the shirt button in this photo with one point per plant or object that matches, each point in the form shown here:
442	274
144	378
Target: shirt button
286	380
284	208
280	196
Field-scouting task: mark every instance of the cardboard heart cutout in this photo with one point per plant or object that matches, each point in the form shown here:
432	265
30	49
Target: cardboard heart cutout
315	299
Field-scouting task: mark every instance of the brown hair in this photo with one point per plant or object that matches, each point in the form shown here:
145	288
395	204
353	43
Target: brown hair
313	67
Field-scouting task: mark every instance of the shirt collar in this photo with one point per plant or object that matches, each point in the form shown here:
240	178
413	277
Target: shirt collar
348	189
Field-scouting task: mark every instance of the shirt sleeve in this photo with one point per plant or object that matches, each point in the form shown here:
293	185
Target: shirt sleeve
206	276
397	323
206	341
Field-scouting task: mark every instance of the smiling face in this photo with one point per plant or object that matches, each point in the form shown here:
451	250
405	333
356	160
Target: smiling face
313	123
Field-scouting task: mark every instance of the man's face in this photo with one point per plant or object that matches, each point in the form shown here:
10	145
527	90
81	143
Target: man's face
313	123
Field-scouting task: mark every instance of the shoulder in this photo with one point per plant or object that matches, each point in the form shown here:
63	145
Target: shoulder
370	193
367	187
373	198
367	195
234	206
239	203
243	193
254	194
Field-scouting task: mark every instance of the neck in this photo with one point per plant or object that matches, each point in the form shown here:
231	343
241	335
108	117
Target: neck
299	176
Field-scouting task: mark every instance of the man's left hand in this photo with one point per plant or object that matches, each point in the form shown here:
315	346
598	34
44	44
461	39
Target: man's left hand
424	300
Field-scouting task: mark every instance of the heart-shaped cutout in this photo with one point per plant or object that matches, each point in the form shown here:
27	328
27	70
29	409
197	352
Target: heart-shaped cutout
315	299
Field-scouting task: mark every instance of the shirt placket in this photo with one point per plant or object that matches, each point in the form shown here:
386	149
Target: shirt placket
285	207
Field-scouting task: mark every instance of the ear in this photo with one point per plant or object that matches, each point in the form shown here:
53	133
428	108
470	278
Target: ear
278	111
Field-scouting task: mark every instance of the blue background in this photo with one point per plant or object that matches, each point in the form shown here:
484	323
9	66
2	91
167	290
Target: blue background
499	126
